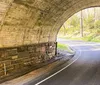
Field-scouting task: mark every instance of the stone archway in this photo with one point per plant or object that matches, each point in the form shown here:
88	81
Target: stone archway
25	22
30	27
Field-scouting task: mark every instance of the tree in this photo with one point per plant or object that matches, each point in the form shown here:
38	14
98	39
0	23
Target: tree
81	24
64	29
94	17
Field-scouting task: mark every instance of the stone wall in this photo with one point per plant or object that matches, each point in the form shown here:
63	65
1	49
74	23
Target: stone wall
24	57
28	30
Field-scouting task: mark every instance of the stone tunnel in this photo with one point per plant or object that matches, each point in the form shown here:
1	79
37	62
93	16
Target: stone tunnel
28	30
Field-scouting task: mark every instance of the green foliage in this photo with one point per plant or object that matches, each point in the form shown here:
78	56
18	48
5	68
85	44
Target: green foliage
96	39
91	27
89	22
97	24
88	38
62	46
74	21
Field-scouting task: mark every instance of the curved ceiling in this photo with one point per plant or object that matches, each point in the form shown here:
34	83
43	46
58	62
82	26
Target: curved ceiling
24	22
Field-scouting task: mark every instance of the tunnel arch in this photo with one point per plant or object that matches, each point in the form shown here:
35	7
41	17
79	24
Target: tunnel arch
76	11
25	22
29	28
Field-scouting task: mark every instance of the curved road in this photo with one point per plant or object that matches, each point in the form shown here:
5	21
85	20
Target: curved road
86	69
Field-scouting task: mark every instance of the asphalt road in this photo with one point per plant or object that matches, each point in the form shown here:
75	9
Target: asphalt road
84	71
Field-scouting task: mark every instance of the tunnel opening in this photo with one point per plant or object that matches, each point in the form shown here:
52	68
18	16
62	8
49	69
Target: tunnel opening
83	26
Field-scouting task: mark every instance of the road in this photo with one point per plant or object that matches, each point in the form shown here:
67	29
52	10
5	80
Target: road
84	71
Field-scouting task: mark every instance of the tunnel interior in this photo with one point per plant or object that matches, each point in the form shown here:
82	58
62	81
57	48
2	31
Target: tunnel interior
29	28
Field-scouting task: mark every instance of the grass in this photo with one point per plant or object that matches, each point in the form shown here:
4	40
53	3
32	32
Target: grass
64	47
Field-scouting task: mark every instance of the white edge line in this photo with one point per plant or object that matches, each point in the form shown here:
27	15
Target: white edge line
57	72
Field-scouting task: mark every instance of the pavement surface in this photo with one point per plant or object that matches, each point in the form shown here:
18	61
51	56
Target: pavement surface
84	71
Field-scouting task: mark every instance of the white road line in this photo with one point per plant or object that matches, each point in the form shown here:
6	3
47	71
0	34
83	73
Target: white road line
58	71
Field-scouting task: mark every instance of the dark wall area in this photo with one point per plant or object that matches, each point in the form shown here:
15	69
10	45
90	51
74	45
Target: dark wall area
24	58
